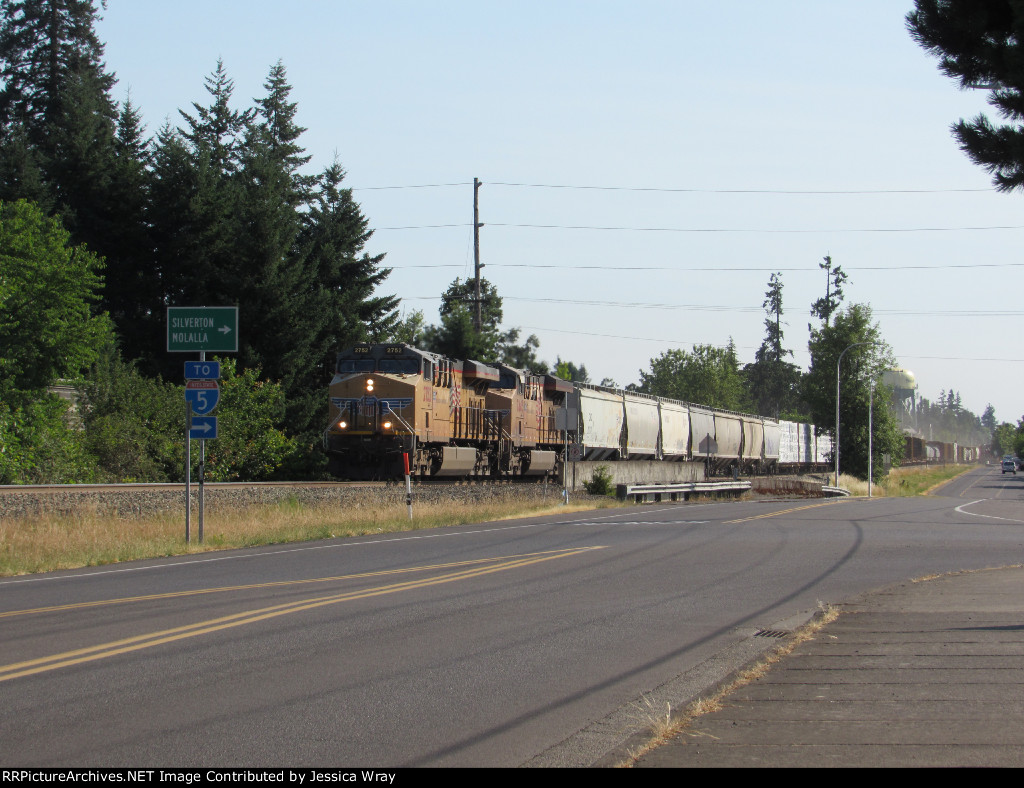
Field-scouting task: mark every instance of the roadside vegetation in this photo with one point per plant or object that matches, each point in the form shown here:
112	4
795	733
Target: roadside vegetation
46	543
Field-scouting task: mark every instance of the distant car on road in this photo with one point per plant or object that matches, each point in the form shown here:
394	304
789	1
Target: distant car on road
1009	465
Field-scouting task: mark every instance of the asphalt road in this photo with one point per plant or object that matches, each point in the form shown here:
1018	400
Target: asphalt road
484	645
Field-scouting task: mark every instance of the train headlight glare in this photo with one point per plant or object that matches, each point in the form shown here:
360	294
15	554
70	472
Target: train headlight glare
387	425
342	425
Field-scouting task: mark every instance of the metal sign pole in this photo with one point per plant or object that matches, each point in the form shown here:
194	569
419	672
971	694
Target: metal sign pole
202	471
188	472
408	484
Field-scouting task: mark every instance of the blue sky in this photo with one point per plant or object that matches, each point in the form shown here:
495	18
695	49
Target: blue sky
725	141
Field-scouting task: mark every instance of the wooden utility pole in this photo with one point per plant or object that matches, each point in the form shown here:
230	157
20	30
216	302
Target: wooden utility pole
476	252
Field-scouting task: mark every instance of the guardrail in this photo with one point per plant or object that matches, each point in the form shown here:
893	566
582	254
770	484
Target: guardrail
658	492
655	492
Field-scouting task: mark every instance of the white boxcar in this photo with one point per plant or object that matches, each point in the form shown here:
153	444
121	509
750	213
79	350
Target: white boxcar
806	439
789	443
675	430
823	450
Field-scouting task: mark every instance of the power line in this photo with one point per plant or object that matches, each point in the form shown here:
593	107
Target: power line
673	190
945	313
753	230
736	269
712	230
688	190
409	186
902	356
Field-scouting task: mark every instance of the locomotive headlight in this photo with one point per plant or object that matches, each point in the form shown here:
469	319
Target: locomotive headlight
369	385
342	425
387	425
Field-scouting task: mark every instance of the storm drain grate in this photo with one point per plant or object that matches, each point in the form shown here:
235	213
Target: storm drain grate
772	633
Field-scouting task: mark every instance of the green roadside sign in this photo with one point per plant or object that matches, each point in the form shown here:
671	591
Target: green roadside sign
202	328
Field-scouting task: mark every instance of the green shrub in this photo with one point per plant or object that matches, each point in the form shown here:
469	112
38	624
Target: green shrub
601	482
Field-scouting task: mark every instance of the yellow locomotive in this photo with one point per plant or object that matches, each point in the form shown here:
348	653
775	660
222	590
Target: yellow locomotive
452	418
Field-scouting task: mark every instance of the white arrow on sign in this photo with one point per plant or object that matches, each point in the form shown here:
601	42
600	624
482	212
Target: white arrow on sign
202	427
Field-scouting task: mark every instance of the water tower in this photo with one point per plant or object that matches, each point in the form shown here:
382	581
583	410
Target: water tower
904	395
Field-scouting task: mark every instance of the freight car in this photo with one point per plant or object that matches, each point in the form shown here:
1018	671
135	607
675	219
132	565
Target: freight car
467	419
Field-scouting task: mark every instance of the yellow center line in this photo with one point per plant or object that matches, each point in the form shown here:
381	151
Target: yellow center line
275	584
102	651
788	511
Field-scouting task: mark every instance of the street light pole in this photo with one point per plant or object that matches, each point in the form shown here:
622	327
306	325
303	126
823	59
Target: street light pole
840	361
871	405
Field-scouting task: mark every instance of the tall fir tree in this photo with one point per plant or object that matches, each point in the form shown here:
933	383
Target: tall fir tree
775	380
342	306
55	105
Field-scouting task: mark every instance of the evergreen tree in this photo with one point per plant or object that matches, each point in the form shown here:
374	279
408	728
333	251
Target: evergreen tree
55	105
988	418
823	308
981	44
268	276
774	380
342	306
131	291
457	336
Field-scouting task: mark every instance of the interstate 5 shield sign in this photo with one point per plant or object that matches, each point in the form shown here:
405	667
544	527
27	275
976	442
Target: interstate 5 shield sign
202	395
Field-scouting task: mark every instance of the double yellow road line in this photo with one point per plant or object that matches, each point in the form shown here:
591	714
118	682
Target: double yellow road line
464	570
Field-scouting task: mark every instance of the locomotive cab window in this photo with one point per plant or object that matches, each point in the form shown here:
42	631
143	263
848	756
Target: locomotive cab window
399	366
349	366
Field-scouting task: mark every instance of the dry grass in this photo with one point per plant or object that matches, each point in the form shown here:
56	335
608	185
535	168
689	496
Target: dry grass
667	726
905	482
88	538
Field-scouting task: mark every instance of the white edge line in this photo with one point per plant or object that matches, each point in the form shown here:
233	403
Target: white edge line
960	509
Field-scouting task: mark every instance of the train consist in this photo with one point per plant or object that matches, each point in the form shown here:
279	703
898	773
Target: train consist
467	419
918	451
